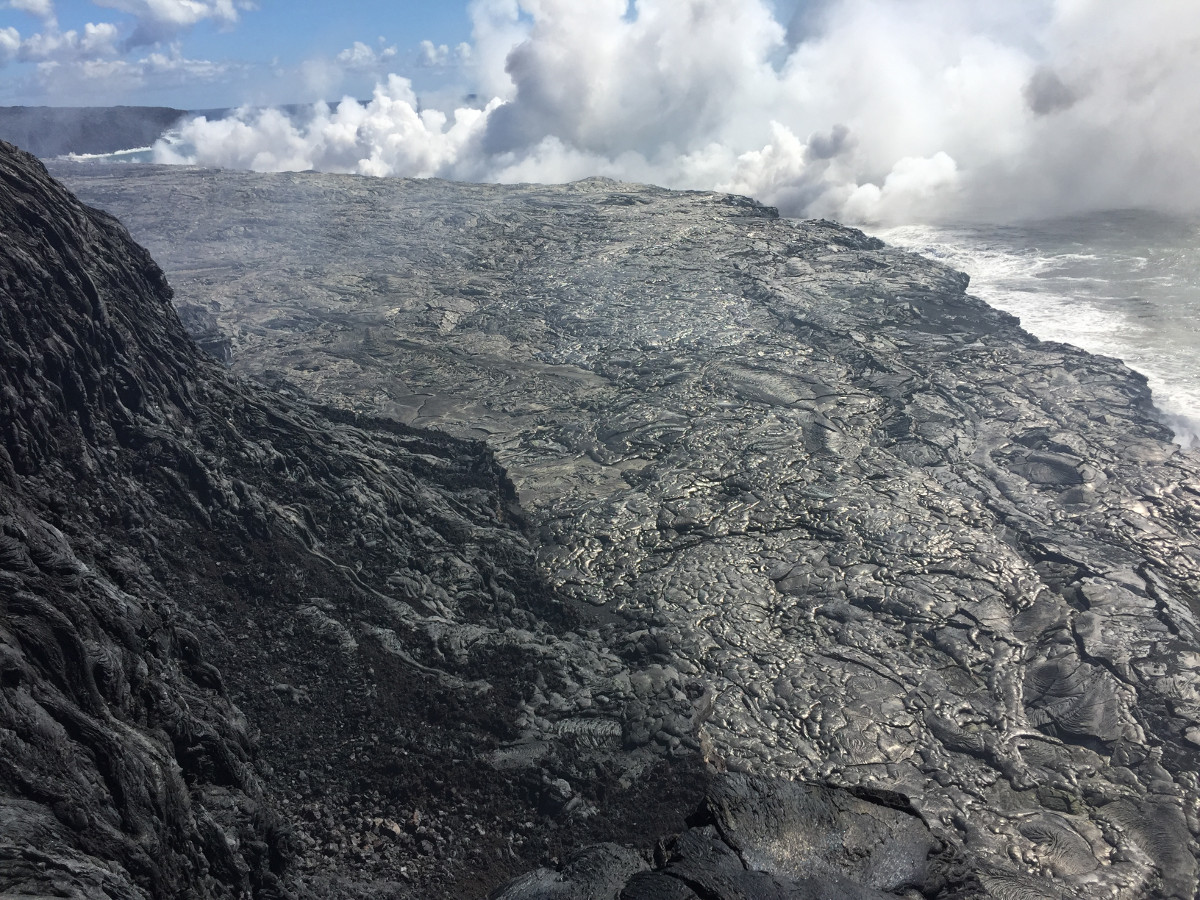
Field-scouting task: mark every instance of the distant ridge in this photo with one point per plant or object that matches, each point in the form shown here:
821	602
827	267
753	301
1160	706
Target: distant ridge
48	131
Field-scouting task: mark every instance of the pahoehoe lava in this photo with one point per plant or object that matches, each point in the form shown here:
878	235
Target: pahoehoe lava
893	597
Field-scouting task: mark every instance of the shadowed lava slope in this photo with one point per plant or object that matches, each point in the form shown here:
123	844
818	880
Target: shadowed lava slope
847	523
247	646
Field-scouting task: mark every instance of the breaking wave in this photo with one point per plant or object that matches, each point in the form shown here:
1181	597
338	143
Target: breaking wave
1117	284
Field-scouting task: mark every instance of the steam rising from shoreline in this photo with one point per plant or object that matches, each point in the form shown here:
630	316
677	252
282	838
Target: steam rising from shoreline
872	111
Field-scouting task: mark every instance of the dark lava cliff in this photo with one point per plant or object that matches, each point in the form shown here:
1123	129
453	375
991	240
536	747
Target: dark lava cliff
247	646
892	597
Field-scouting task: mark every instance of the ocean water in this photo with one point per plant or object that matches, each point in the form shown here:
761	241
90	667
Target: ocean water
172	137
132	155
1123	284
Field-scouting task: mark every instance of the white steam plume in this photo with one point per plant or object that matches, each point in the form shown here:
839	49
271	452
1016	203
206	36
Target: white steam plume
876	111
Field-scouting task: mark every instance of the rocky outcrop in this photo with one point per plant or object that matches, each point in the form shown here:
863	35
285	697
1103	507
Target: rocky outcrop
202	327
756	838
837	521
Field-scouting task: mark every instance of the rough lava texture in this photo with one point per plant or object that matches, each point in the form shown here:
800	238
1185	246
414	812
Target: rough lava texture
804	510
844	523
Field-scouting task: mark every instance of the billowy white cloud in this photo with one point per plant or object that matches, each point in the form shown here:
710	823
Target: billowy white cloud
173	65
99	39
96	41
42	9
103	60
92	81
878	111
324	76
384	136
362	56
437	55
160	21
10	44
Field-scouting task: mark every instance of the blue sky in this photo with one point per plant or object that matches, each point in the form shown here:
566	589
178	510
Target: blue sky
208	53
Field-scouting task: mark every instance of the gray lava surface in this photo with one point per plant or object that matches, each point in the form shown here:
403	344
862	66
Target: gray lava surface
828	517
